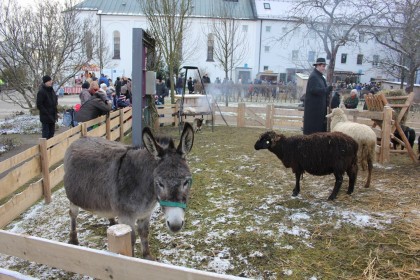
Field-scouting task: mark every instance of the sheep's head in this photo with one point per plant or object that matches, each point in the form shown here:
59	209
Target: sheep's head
336	112
266	140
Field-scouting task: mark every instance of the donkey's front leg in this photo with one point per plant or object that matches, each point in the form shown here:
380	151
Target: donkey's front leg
143	230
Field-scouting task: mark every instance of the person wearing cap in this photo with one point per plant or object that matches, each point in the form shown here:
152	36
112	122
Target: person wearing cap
46	102
316	100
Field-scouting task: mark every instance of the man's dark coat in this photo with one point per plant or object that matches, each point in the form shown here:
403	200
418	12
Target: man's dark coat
316	100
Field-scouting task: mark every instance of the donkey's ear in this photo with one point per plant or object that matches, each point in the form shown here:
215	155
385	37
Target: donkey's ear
150	144
187	140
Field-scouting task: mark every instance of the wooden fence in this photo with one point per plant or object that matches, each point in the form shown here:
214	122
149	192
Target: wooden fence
34	173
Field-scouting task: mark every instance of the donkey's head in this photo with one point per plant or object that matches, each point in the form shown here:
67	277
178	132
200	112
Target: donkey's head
172	176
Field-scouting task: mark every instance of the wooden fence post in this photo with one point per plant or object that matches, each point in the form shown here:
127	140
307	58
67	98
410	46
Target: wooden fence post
119	239
46	183
386	135
269	116
108	127
121	125
84	129
240	121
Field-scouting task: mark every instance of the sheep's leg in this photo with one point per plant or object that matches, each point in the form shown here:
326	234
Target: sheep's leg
352	173
143	229
296	190
73	211
370	167
337	186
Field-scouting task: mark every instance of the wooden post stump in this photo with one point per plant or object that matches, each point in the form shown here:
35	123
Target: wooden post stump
119	239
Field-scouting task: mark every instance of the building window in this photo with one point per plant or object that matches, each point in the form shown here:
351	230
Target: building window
265	68
268	29
210	47
267	6
266	49
360	59
343	58
311	56
295	55
375	60
117	39
245	28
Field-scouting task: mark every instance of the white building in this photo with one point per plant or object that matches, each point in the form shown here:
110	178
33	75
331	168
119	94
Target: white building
261	21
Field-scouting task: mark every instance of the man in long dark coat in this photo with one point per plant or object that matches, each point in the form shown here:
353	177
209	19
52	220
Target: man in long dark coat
46	102
316	100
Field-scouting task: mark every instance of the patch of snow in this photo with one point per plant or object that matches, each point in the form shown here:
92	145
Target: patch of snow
256	254
287	272
299	216
219	266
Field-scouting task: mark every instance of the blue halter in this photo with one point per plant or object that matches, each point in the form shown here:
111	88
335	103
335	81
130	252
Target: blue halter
173	203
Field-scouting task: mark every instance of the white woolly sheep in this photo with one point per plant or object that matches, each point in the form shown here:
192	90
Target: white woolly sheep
363	134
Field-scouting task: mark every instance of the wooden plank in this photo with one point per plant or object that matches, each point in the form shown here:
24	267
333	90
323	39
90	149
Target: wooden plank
98	120
57	176
101	264
99	131
19	158
64	135
19	203
375	115
20	176
115	134
114	114
13	275
56	153
115	122
128	125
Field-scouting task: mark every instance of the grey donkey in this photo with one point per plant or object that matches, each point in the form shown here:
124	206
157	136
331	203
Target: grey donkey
115	180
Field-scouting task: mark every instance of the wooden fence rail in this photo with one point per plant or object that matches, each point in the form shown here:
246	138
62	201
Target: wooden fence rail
29	176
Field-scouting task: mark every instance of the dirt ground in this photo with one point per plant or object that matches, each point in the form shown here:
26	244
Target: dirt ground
28	140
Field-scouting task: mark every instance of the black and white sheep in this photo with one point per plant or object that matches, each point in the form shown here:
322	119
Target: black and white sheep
318	154
364	136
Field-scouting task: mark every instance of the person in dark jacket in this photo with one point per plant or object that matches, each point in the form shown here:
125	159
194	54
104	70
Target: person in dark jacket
46	102
335	101
84	95
118	86
161	91
352	101
92	109
316	100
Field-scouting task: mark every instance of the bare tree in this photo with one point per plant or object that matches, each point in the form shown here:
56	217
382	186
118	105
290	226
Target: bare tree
45	39
397	29
226	43
168	22
336	23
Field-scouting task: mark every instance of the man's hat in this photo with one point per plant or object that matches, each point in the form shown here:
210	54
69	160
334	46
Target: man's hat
46	78
320	60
